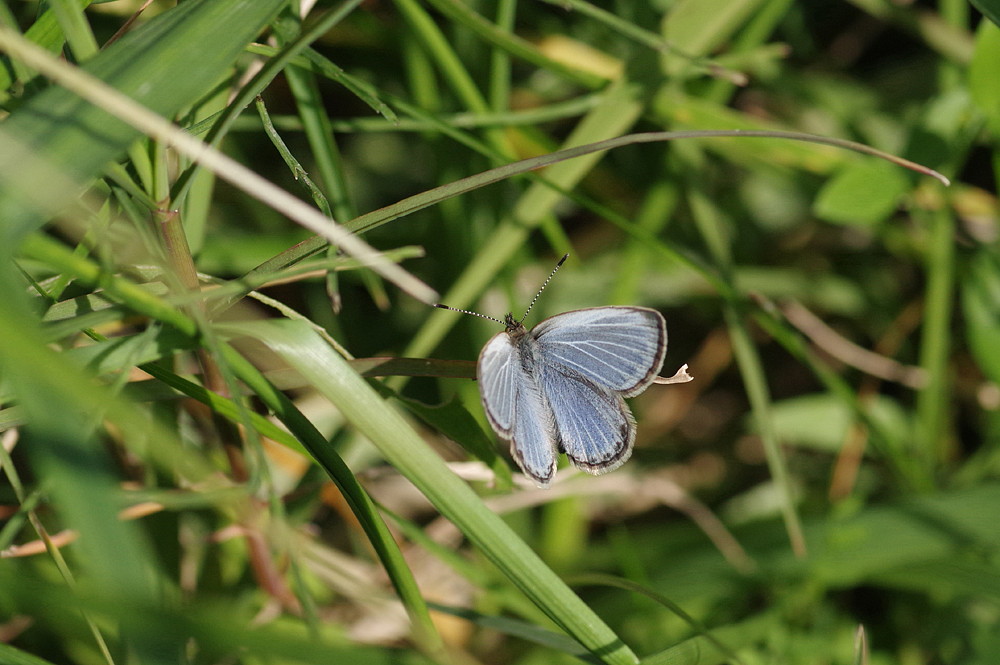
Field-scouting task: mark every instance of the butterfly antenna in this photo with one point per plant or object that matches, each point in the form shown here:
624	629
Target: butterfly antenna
544	284
465	311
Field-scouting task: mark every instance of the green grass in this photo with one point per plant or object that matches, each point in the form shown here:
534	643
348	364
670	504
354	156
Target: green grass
226	440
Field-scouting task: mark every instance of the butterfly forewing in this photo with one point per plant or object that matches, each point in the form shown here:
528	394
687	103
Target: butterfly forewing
516	408
621	348
499	380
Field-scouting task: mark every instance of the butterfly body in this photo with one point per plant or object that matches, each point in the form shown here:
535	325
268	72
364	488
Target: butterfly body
560	386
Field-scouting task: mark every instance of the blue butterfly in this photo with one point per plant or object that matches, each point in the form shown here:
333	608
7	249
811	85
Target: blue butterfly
560	387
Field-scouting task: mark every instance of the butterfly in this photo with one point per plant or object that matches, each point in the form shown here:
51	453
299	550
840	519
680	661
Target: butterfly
560	387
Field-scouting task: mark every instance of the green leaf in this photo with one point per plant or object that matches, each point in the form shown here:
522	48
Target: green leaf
13	656
989	8
984	84
951	576
886	539
822	421
863	194
980	298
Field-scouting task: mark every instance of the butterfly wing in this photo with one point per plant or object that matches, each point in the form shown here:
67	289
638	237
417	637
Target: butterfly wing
568	395
620	348
533	441
516	408
595	428
499	372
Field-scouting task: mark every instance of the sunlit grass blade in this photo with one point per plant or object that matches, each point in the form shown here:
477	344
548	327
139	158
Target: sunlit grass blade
142	301
154	125
400	445
61	126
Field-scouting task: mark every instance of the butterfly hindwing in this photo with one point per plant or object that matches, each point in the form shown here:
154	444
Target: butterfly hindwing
595	428
533	440
621	348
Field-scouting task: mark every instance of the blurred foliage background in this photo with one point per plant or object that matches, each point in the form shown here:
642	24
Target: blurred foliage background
205	461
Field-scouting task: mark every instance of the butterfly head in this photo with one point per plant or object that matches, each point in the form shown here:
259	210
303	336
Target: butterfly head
514	327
